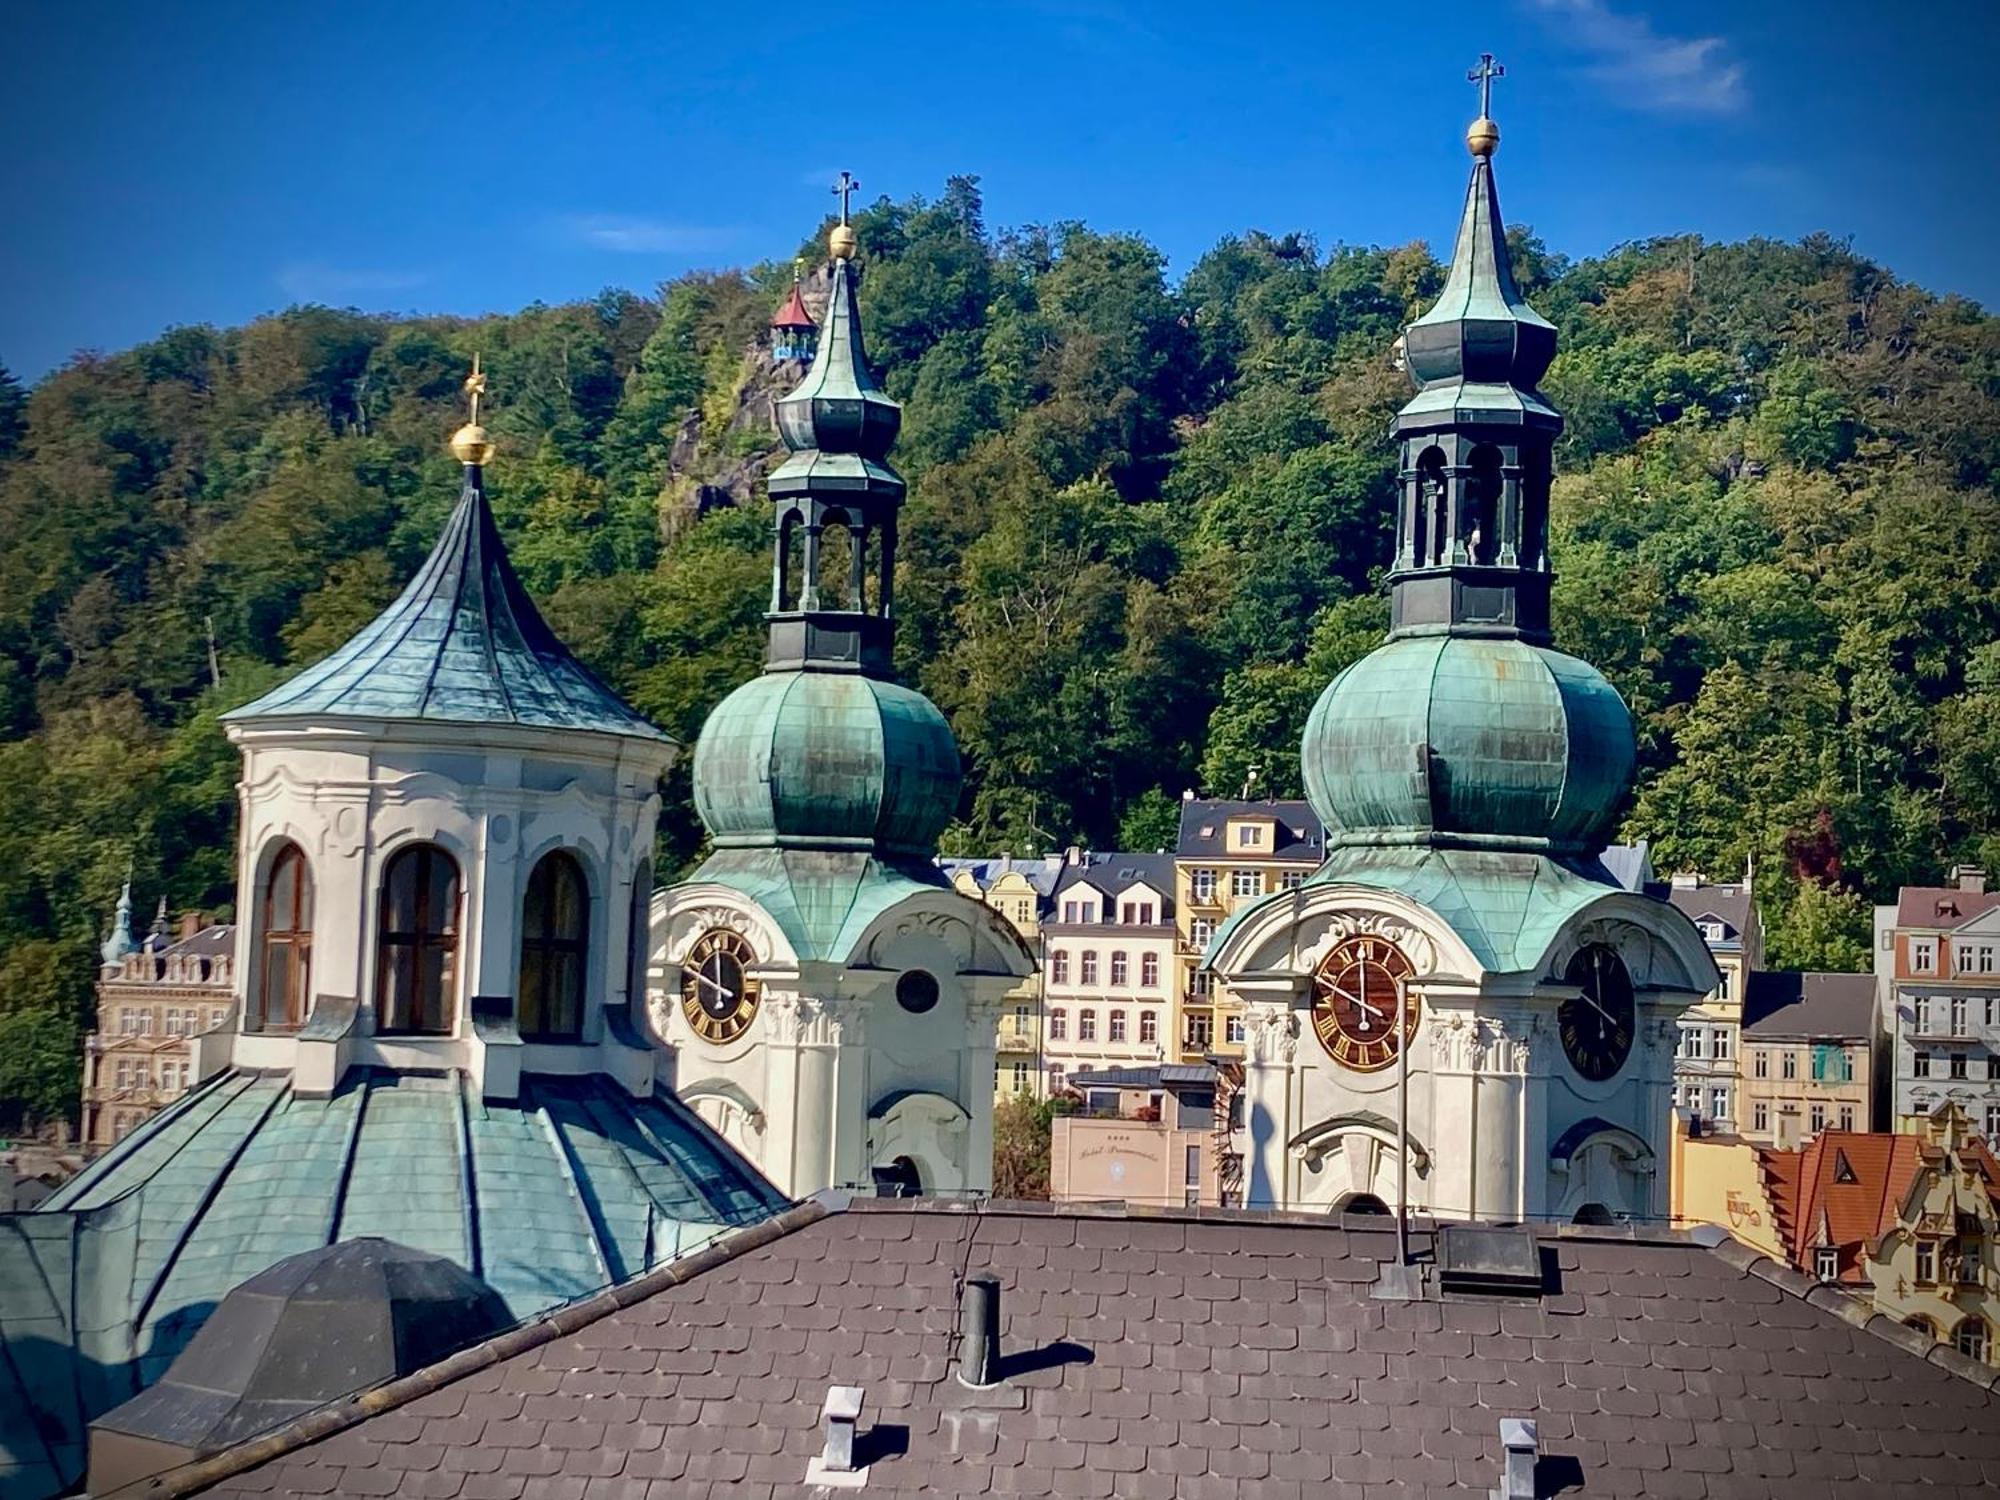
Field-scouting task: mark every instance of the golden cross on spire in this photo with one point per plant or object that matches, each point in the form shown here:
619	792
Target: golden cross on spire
1483	75
844	189
475	387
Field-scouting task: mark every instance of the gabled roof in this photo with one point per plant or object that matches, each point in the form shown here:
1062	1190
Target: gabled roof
1113	874
1793	1005
1728	902
1040	873
1204	824
1942	906
463	644
1167	1352
1810	1191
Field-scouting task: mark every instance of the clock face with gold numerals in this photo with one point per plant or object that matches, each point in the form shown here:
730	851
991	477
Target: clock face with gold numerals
718	996
1359	996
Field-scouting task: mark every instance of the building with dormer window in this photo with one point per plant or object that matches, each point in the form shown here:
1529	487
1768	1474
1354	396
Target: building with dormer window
1937	974
1706	1057
1229	854
1109	959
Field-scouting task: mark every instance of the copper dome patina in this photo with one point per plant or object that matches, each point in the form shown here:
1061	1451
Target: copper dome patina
1468	740
831	760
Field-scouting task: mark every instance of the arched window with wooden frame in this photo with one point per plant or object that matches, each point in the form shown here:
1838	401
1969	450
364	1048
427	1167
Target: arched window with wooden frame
285	927
1970	1338
416	972
555	950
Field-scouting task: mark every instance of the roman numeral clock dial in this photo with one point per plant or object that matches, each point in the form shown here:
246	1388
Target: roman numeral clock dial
718	996
1363	1010
1598	1025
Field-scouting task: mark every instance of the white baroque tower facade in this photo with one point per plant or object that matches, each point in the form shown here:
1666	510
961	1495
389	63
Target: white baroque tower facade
1461	1011
831	1001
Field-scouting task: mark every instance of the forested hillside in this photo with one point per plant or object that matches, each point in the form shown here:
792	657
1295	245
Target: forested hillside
1146	525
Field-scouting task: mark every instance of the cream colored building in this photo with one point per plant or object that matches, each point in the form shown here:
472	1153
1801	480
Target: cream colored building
1807	1057
1936	1265
153	998
1019	890
1718	1179
1109	957
1146	1135
1706	1072
1229	854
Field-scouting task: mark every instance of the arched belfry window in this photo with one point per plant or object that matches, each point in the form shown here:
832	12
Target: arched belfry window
285	923
555	923
1482	520
1432	509
417	973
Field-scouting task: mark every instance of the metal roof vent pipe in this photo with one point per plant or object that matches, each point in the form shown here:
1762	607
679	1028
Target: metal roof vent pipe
979	1332
1517	1477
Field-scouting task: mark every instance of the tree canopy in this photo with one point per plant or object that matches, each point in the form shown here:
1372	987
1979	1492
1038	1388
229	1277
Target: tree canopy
1147	523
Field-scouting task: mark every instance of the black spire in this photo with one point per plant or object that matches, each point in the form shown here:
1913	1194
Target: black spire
1477	438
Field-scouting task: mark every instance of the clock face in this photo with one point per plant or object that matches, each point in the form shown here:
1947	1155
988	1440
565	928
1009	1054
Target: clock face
1598	1025
718	996
1359	995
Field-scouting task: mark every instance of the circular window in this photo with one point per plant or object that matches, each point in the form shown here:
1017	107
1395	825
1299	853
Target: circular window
917	991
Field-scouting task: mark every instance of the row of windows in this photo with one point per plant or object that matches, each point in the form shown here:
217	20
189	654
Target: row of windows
1956	1065
1121	968
1705	1042
137	1073
1130	913
175	1020
1967	956
1829	1063
1086	1025
1957	1013
1711	1103
1760	1117
416	972
1202	883
1971	1337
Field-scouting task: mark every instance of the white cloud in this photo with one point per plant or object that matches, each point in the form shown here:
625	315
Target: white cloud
1646	70
639	236
316	281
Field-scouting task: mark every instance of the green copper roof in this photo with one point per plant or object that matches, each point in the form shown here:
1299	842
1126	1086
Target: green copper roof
823	900
1481	331
1507	907
574	1186
463	644
838	408
1472	740
826	760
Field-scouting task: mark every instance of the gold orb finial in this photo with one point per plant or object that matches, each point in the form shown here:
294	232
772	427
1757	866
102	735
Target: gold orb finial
843	242
471	444
1482	137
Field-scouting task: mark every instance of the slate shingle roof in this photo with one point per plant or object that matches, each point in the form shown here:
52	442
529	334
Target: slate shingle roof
1782	1003
1300	835
1180	1354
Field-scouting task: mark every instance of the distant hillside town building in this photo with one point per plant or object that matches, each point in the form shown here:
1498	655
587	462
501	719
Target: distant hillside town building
1937	966
1229	855
1019	890
1909	1218
1705	1057
1144	1135
1108	966
1808	1057
153	997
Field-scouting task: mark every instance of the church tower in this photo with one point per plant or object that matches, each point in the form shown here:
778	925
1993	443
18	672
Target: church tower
831	1000
1461	1007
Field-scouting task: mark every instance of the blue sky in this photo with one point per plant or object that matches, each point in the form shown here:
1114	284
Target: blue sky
205	162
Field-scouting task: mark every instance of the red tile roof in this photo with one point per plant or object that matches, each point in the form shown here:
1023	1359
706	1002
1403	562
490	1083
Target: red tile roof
1942	905
1808	1183
793	314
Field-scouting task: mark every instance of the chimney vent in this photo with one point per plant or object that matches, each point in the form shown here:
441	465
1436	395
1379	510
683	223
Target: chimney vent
1969	878
1517	1477
1478	1261
834	1465
979	1332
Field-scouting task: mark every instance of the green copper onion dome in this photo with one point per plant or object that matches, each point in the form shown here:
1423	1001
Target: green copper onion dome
826	760
1469	741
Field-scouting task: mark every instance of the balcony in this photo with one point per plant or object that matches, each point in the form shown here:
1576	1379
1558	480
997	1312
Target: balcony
1020	1036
